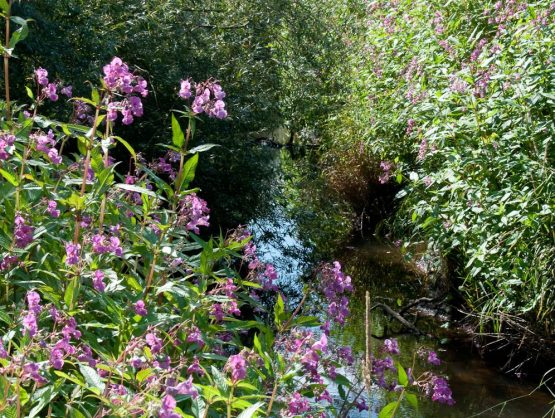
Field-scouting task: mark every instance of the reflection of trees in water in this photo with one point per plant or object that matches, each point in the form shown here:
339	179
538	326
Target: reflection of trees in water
238	181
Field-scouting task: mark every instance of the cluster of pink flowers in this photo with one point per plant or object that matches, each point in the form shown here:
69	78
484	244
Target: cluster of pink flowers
52	210
193	212
208	99
264	273
103	245
46	143
7	142
73	253
49	89
120	81
335	287
432	385
23	233
219	310
237	366
387	171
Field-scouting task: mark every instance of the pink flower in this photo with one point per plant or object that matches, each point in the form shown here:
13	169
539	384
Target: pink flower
140	308
237	365
98	282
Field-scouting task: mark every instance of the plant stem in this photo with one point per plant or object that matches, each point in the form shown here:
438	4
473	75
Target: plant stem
7	62
271	403
229	402
85	173
295	312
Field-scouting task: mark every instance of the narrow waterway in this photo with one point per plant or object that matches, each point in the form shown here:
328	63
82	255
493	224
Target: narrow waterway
284	239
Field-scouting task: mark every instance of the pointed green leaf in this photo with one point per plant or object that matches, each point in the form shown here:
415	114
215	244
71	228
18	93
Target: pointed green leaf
178	137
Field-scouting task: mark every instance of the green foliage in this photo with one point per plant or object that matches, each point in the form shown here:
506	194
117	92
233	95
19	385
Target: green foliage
459	97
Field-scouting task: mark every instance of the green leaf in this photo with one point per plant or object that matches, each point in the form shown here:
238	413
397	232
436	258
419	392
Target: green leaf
388	411
178	138
220	380
249	412
19	34
199	407
92	378
143	374
30	93
279	310
188	174
69	294
126	145
402	375
4	5
202	148
137	189
412	399
9	177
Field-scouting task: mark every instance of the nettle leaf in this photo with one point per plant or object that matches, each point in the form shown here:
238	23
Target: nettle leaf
220	380
92	378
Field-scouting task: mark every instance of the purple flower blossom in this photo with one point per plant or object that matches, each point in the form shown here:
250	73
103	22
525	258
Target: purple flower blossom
193	212
33	302
184	388
98	281
297	404
57	358
70	329
42	76
23	233
140	308
361	405
237	365
6	145
209	97
195	337
185	89
72	253
422	149
335	284
50	91
67	91
31	371
441	392
87	356
120	80
168	408
433	358
30	324
51	209
153	342
387	168
391	346
3	352
195	367
346	354
7	262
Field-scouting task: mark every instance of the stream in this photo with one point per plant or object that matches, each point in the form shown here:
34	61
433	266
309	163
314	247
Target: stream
287	235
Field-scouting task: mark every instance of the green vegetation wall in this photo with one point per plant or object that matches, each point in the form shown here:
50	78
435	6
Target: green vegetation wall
457	101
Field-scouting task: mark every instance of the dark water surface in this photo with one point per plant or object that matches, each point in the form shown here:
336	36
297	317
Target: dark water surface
283	238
